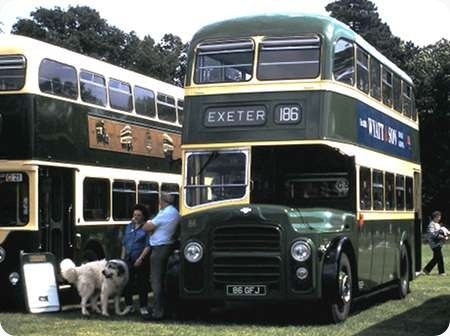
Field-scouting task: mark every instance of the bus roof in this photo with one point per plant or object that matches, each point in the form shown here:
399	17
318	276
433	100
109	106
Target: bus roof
32	48
289	24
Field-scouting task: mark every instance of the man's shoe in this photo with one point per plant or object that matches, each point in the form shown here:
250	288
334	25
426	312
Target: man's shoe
144	311
443	274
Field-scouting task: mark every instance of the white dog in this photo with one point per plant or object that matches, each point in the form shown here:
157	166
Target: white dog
104	278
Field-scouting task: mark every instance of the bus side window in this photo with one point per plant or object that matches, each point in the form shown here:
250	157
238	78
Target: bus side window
166	107
375	78
362	70
344	62
378	190
124	198
96	193
120	95
365	188
397	94
400	192
144	102
174	189
93	88
148	195
58	79
390	194
409	193
406	100
387	87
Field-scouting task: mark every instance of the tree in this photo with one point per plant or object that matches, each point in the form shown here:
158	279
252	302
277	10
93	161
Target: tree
431	71
82	30
363	18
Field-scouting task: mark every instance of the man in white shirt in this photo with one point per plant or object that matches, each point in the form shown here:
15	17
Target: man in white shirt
162	228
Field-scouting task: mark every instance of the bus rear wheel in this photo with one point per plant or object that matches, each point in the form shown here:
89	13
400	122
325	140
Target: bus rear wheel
340	308
403	281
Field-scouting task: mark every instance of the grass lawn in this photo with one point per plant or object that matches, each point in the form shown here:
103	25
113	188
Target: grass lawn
425	311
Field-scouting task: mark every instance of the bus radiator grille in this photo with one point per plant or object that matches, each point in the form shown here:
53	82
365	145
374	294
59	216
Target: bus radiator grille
247	238
246	253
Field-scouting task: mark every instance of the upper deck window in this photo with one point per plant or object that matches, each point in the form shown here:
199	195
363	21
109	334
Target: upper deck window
166	107
93	88
225	61
289	58
407	100
362	70
12	72
375	78
144	101
58	79
344	62
387	87
397	93
120	95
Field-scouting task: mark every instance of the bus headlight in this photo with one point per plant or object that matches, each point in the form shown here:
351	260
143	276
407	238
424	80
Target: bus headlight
193	252
300	251
2	254
14	278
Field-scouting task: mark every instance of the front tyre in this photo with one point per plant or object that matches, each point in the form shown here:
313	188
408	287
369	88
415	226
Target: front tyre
340	308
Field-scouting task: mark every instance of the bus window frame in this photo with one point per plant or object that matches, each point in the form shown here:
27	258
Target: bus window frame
52	92
94	84
274	40
135	101
353	73
108	199
211	44
120	91
24	68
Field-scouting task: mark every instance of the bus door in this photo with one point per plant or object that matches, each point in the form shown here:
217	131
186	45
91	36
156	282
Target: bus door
56	193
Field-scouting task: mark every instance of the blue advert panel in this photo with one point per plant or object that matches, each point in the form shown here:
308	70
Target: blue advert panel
379	131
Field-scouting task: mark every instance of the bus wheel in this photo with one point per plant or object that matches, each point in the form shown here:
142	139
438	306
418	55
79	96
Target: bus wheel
340	308
403	281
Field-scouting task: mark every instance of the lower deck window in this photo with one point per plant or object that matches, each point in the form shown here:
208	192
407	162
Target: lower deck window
96	199
14	195
148	195
124	198
215	176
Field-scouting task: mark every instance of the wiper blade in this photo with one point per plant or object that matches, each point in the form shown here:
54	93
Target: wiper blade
212	157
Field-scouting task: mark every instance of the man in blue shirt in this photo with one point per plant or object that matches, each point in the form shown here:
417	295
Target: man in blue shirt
162	228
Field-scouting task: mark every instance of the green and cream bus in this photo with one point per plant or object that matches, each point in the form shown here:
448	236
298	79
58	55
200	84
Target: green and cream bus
301	171
81	141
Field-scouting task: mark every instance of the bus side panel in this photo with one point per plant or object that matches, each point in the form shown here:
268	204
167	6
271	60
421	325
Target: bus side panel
16	241
16	126
63	135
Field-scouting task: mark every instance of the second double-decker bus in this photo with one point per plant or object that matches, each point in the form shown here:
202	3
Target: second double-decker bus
301	171
81	141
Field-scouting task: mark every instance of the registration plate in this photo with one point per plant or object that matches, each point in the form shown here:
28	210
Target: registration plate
246	290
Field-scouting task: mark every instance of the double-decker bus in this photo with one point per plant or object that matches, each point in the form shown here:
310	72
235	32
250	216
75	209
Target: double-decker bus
81	141
301	171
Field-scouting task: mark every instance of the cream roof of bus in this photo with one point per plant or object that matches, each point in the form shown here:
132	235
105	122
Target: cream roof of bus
35	50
